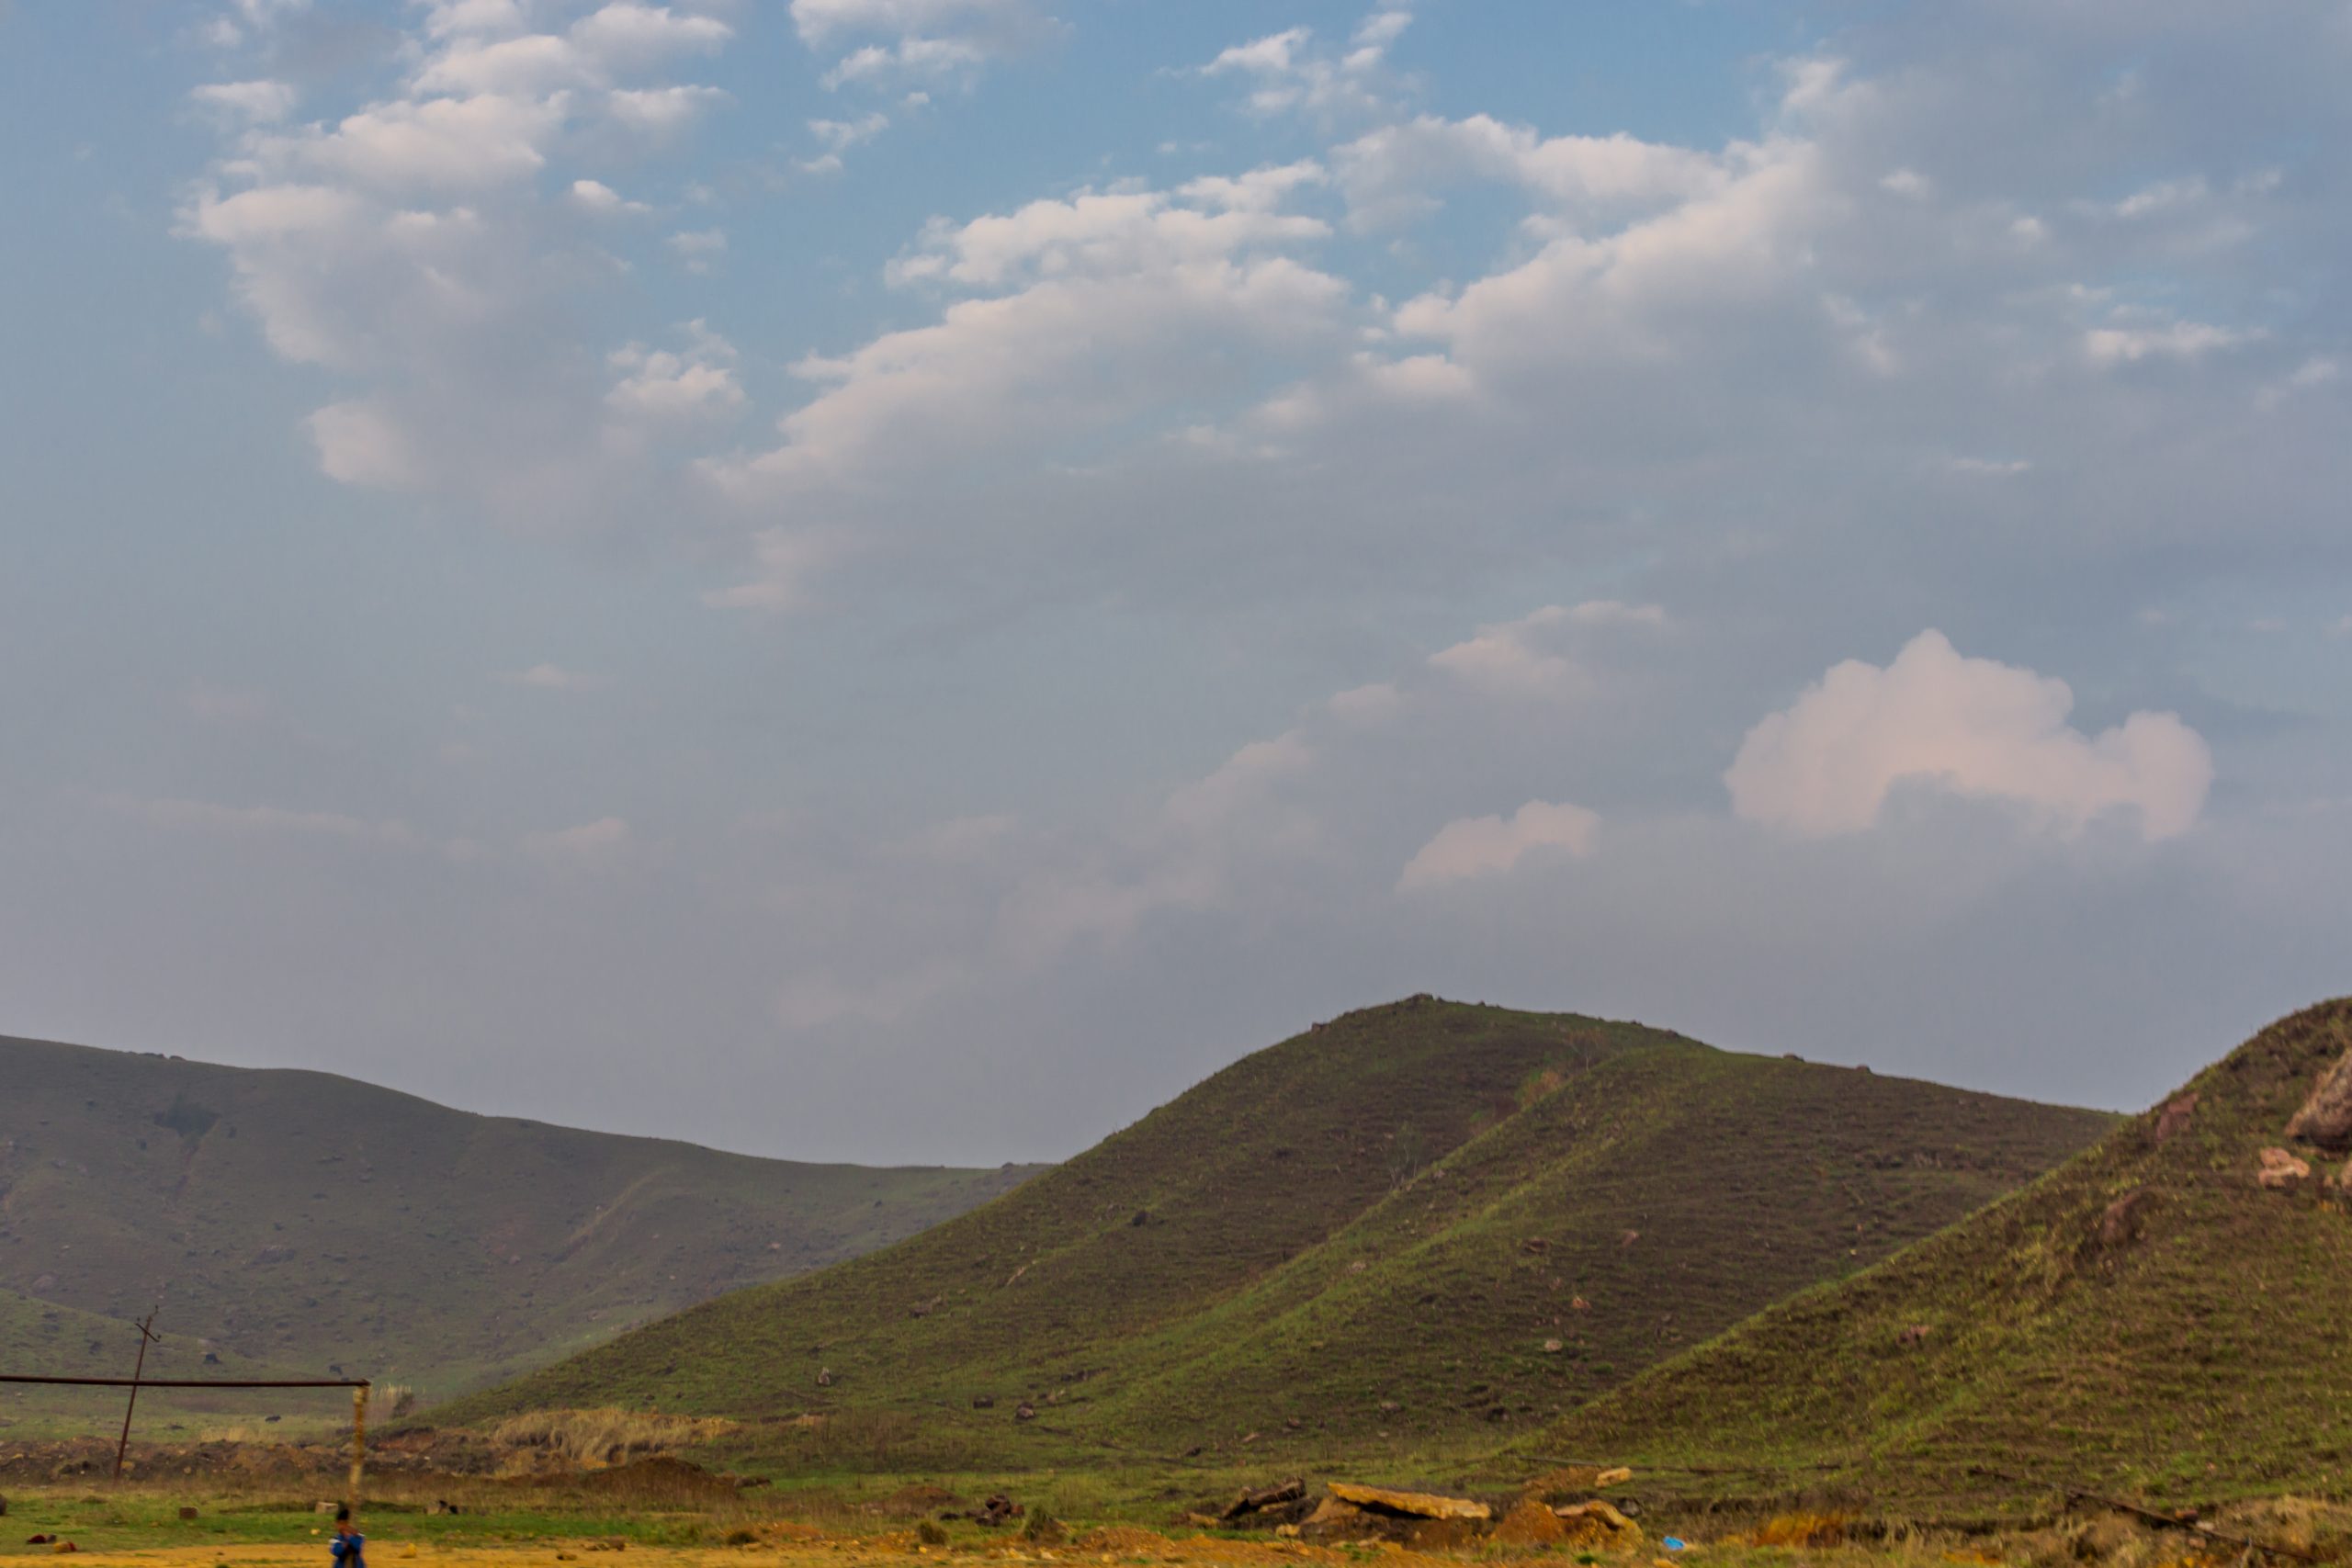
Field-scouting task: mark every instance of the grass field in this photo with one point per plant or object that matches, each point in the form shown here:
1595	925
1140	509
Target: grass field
1420	1226
302	1221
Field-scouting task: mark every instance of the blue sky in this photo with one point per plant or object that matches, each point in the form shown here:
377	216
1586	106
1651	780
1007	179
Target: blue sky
900	579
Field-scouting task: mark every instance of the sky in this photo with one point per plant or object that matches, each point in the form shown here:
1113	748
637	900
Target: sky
903	579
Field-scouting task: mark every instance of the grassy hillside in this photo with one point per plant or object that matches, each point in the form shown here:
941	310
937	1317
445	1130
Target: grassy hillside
2145	1318
310	1220
1427	1221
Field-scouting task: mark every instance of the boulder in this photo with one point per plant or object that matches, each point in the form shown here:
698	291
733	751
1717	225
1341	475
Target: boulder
2173	1120
1596	1524
1529	1524
2281	1172
2326	1117
1417	1504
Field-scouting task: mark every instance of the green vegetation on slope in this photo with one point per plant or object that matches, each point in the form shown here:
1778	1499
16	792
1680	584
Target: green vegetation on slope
308	1221
2146	1318
1422	1220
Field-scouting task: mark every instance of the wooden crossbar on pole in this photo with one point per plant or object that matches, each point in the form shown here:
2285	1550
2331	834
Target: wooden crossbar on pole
358	1387
193	1382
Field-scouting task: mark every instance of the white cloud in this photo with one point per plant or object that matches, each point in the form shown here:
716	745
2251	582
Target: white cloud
1291	72
2128	344
1394	173
659	387
597	196
926	38
1489	846
1616	613
1095	312
697	249
254	103
837	136
1971	727
1511	659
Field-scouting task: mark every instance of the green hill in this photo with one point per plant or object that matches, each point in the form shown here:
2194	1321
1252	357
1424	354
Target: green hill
1429	1221
2147	1318
308	1221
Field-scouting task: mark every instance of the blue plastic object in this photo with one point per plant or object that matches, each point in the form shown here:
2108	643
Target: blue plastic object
1676	1543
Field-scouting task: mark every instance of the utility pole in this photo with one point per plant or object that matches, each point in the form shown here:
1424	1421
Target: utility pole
146	1337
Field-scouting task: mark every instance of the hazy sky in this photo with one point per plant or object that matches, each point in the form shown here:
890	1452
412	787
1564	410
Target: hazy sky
902	579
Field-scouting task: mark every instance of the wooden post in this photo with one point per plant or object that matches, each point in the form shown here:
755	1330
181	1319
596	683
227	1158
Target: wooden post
138	1368
359	1448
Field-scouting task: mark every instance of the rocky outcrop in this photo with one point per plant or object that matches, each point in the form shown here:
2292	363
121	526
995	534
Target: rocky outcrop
1419	1504
2281	1172
2326	1118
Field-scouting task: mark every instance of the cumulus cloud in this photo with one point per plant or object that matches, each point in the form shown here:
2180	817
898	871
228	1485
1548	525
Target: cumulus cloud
1489	846
256	103
1971	726
1070	317
407	244
1295	71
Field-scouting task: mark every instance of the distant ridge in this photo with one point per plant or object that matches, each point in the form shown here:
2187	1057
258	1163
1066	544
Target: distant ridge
2149	1318
301	1220
1423	1221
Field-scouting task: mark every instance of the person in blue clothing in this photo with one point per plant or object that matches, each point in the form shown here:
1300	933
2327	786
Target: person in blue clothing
349	1544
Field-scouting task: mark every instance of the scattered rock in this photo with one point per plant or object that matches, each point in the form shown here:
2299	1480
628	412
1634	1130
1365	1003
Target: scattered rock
2281	1172
1577	1304
2173	1120
984	1402
998	1510
1553	1347
1389	1407
1419	1504
39	1539
1571	1480
2326	1118
1143	1217
1024	1411
1629	1239
1535	1243
1911	1339
1529	1524
824	1377
1259	1499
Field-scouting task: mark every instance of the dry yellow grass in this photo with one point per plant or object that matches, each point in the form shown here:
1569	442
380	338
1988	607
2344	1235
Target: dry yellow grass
595	1438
